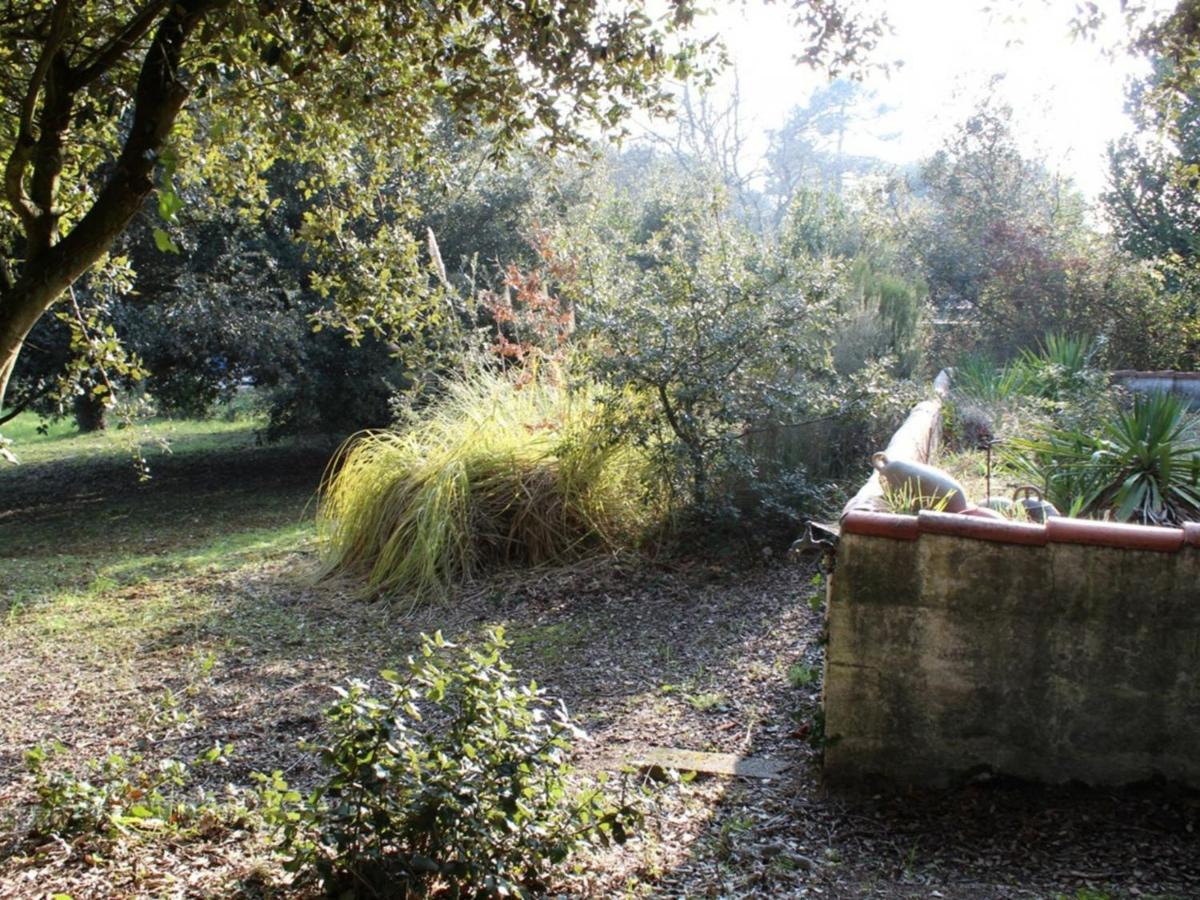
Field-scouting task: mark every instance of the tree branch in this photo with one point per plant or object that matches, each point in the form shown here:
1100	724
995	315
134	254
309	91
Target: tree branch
24	403
159	96
107	56
23	146
48	157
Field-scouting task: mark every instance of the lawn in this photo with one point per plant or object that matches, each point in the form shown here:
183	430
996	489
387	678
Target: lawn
164	615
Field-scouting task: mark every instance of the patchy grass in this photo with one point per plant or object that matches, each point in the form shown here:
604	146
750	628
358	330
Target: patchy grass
552	644
969	468
64	445
76	521
707	701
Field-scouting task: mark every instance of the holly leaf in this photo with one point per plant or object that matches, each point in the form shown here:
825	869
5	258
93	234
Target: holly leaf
163	242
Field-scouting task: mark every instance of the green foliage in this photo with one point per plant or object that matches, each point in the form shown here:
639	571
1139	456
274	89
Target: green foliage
723	341
907	500
707	701
883	318
452	781
123	794
1142	464
1151	205
1060	368
977	377
1151	199
1057	382
717	337
857	417
191	101
498	470
806	163
801	675
1158	326
1005	246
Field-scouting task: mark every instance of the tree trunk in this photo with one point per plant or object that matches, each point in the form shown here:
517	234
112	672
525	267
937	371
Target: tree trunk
90	411
20	308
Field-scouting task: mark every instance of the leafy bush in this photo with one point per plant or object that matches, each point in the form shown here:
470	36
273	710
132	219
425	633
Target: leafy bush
977	377
1060	368
473	801
723	340
121	794
717	340
884	317
499	470
332	387
1142	463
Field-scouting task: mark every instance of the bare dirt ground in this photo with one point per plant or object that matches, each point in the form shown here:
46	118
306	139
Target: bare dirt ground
686	654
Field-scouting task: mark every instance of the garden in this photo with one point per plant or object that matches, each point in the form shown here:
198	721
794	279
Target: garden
190	648
1050	428
402	461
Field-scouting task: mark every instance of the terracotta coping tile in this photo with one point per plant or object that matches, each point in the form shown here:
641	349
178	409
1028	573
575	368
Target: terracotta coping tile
1114	534
889	525
1164	374
1057	530
978	528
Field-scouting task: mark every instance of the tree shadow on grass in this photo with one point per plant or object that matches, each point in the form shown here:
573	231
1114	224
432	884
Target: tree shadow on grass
86	526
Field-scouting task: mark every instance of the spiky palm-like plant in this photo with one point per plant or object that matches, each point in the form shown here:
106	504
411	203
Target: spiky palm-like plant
1142	465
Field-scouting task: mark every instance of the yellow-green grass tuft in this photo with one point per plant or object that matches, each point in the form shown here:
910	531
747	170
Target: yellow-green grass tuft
492	475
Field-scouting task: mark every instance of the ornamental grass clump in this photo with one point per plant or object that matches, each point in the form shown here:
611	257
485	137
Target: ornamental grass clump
501	471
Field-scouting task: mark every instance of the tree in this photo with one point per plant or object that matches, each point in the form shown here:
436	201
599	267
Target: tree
715	333
1151	201
233	307
808	152
107	102
1154	210
1005	242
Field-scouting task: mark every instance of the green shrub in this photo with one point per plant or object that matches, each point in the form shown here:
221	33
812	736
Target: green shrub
801	675
1060	365
122	794
496	472
725	340
977	377
1060	368
1141	464
453	782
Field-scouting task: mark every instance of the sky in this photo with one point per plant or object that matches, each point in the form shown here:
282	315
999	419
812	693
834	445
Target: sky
1068	97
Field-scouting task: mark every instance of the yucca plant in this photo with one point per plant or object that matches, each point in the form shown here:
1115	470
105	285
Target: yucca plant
978	378
1071	353
1142	465
497	472
1061	365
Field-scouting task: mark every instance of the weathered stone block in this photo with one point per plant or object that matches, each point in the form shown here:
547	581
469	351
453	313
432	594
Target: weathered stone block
1058	662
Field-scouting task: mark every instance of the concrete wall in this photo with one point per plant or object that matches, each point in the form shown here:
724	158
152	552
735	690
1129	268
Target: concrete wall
1052	652
1185	383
